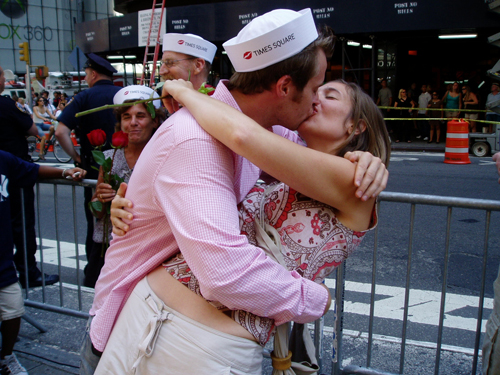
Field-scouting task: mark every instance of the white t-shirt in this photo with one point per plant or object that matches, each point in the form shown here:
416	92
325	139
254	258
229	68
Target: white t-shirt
423	101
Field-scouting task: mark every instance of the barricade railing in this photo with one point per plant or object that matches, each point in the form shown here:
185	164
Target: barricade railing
75	306
413	200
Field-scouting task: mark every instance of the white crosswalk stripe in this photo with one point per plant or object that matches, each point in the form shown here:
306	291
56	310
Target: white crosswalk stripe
424	305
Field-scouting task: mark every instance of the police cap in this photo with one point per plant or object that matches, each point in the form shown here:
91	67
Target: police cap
99	64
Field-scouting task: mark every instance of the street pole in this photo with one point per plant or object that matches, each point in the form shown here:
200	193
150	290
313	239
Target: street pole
27	79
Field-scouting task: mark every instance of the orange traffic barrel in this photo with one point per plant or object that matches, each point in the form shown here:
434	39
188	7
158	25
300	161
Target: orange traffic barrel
457	143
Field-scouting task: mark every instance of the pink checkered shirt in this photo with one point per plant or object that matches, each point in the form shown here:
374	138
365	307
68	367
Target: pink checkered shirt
185	188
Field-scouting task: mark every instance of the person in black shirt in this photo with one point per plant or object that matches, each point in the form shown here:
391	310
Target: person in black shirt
99	75
15	125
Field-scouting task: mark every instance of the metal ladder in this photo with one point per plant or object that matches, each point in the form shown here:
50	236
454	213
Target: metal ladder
156	47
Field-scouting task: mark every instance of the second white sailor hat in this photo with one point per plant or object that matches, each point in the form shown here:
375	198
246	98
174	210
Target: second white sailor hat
189	44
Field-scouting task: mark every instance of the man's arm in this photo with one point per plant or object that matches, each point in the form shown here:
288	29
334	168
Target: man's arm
199	201
76	174
63	135
33	130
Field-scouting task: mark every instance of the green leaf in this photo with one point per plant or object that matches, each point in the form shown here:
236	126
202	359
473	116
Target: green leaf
98	157
95	208
106	165
151	109
160	85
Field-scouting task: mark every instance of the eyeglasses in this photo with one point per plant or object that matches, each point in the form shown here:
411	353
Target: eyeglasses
171	63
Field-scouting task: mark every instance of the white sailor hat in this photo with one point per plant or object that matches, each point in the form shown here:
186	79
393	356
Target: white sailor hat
136	92
189	44
271	38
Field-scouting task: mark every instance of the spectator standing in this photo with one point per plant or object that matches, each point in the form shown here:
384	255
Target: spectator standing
435	125
385	99
57	98
14	170
469	101
48	104
413	96
25	105
423	101
452	100
493	102
402	129
15	125
99	75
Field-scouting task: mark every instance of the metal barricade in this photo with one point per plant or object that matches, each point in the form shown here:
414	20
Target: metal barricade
415	200
76	306
69	298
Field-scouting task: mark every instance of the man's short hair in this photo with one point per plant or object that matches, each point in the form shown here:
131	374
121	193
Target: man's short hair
300	67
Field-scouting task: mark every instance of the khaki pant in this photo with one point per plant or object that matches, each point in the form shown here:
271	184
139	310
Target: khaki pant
151	338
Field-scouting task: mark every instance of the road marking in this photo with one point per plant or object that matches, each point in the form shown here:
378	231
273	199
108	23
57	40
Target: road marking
68	257
424	305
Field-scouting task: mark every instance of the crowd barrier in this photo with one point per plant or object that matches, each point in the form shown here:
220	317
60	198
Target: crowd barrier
67	249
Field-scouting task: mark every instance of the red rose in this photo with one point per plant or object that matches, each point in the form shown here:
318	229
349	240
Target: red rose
120	139
97	137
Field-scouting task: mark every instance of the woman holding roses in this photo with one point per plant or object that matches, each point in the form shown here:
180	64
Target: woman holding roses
134	128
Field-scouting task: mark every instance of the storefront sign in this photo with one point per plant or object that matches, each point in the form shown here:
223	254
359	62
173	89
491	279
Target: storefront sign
123	32
93	36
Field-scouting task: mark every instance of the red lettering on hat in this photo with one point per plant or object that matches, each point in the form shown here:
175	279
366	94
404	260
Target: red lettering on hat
247	55
126	93
180	42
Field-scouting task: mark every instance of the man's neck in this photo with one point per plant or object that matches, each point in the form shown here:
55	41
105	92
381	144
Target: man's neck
197	80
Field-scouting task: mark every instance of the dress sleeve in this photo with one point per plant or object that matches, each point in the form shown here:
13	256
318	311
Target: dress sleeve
200	204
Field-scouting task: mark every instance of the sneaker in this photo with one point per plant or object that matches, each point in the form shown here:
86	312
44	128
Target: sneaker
426	138
418	136
10	365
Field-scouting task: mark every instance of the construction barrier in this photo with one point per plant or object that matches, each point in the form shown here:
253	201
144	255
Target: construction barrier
457	142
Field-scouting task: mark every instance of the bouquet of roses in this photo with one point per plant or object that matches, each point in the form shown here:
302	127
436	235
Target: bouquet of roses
97	139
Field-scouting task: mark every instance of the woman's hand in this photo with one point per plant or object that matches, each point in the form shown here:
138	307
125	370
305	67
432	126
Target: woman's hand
104	192
370	176
118	213
174	88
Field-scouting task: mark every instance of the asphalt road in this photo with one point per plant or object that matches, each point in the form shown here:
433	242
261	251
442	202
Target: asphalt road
417	173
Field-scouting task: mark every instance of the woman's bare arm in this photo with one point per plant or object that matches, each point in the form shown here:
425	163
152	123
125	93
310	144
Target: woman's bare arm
326	178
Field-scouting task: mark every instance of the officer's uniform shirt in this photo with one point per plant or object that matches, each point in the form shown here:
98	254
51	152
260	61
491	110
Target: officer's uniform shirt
100	94
14	124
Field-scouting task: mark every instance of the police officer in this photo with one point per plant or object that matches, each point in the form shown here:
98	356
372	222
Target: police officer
187	56
15	125
99	76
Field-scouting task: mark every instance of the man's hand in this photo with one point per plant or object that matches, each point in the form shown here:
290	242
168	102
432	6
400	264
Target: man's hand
370	176
118	213
496	159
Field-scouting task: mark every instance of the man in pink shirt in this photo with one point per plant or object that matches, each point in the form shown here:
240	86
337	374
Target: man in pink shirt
186	186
